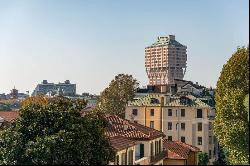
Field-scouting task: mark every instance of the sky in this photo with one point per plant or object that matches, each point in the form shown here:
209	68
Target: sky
90	41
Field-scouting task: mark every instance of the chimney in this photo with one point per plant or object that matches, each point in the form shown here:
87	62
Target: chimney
125	127
172	37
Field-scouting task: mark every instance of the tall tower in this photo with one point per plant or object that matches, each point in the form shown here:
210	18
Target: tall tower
165	60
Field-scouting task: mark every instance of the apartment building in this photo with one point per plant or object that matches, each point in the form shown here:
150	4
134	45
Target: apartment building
183	118
165	60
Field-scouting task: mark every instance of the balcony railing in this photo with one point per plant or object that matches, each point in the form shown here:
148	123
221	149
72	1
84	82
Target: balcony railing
158	157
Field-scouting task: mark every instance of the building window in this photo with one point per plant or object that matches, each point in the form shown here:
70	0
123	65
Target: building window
183	139
123	159
169	125
135	112
170	138
199	140
210	154
152	124
152	112
199	113
176	113
130	157
183	126
199	126
169	112
210	126
210	139
182	112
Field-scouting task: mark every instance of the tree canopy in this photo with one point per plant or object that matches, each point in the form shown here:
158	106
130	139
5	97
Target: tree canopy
113	99
56	133
231	122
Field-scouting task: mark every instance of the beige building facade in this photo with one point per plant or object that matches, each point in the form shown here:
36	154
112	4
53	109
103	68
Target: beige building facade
181	118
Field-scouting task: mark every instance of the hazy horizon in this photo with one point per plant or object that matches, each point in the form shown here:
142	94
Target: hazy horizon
89	42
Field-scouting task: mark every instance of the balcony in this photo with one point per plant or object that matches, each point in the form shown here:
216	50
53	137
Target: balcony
158	157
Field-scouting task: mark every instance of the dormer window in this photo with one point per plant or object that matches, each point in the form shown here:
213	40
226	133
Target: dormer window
154	101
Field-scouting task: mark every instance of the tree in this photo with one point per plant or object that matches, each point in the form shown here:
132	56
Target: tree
203	158
113	99
39	100
222	157
231	125
56	133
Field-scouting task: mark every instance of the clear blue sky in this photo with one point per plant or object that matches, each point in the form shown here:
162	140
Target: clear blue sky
90	41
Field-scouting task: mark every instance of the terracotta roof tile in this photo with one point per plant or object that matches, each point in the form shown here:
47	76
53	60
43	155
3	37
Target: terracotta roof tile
130	130
119	143
9	116
178	150
124	134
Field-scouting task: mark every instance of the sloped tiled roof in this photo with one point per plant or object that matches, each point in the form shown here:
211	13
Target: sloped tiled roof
119	142
175	101
146	100
9	116
132	131
178	150
194	85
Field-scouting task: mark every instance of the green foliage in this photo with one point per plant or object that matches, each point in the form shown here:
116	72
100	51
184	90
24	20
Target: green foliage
56	133
246	104
231	125
222	157
113	100
38	100
203	158
4	107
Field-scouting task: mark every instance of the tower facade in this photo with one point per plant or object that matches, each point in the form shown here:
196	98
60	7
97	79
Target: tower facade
165	60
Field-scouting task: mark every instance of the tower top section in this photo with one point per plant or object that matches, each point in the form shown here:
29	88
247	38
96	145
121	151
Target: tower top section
165	60
166	40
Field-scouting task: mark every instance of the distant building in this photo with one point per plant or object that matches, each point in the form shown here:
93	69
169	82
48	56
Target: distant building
3	96
165	60
14	93
65	89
